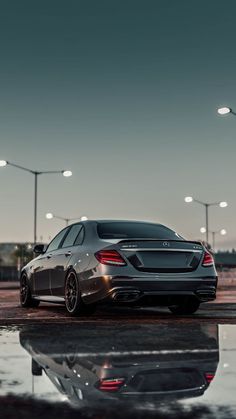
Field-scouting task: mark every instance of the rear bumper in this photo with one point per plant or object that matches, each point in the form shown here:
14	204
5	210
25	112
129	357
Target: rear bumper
148	291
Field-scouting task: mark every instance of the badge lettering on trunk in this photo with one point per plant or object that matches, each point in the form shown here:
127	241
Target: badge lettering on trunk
166	244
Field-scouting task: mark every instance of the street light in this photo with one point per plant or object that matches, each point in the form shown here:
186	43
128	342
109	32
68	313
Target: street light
222	232
36	173
222	204
49	216
67	173
225	110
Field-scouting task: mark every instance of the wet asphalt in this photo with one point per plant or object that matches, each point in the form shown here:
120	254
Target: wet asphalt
120	362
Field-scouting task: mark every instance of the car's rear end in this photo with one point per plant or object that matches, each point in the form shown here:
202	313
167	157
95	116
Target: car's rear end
174	381
149	270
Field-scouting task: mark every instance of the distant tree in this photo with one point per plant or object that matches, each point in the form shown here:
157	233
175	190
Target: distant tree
23	252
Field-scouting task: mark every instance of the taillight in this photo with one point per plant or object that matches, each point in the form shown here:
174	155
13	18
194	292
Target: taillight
207	260
209	377
111	384
110	257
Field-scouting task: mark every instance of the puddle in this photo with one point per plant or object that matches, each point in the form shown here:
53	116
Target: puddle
146	365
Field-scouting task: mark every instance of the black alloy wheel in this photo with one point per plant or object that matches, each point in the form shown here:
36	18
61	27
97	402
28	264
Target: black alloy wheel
73	301
187	306
25	294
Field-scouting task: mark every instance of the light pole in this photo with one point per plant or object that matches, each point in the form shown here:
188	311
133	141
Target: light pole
223	232
225	110
36	173
221	204
49	216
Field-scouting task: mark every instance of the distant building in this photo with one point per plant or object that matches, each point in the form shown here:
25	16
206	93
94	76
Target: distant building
225	259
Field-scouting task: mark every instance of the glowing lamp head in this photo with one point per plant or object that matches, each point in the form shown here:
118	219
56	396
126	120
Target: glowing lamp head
49	215
223	204
188	199
203	230
224	111
83	218
67	173
3	163
223	232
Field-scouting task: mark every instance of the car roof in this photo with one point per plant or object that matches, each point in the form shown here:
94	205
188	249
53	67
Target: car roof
121	221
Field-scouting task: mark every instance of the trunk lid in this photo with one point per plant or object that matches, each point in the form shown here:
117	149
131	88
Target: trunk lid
166	380
162	255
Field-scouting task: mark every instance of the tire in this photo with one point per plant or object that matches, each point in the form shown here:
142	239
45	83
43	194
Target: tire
73	301
187	306
36	369
25	294
71	357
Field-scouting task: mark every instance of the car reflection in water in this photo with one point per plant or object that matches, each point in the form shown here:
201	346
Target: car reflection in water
141	363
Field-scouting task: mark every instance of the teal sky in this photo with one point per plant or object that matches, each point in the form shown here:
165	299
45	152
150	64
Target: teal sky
124	93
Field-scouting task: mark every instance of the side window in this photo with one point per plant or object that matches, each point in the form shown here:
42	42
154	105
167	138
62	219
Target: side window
55	243
80	238
72	235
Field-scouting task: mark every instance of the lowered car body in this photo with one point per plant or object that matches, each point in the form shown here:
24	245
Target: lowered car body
121	262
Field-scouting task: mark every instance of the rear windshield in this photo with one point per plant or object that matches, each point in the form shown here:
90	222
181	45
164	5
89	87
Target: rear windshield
132	230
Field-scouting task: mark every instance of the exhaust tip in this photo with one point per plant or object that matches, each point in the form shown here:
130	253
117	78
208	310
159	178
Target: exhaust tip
206	295
126	296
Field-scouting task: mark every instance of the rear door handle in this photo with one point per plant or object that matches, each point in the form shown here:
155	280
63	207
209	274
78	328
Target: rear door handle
68	253
49	256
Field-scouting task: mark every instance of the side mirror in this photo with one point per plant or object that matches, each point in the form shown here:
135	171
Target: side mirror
39	249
